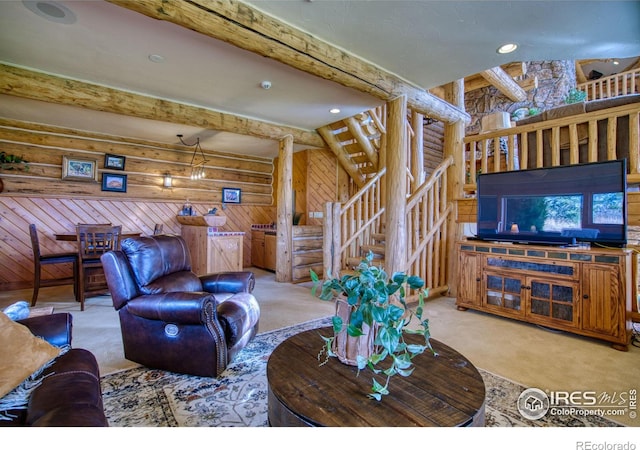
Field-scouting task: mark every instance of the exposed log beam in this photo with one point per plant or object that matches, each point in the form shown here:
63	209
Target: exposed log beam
243	26
477	81
39	86
505	84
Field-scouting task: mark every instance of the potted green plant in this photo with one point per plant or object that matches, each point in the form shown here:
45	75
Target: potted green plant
12	162
376	303
575	96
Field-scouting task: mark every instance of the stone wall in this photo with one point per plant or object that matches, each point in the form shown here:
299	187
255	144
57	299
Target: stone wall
555	79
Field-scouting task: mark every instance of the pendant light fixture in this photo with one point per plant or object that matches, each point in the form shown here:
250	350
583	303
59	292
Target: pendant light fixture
197	167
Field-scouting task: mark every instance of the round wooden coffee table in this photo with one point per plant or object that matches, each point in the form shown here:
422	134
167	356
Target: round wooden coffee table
444	390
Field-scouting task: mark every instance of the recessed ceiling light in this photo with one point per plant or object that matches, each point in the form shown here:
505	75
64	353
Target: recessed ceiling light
156	58
507	48
616	62
51	11
334	110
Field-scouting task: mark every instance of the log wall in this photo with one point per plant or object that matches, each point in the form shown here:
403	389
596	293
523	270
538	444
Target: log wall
433	139
41	196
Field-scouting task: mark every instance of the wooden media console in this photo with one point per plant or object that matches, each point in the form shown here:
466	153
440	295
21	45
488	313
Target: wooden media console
582	290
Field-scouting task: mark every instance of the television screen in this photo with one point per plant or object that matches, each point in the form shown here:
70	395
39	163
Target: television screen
555	205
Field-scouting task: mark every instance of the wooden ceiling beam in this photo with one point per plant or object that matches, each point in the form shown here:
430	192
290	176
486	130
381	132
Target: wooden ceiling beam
243	26
505	84
34	85
477	81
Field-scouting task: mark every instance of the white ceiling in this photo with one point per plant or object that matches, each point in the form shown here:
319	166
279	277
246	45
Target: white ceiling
427	43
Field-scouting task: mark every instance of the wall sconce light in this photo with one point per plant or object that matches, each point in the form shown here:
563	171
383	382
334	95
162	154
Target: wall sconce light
168	180
197	168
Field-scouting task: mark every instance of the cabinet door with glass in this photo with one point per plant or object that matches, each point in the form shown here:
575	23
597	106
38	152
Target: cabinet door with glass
503	293
553	301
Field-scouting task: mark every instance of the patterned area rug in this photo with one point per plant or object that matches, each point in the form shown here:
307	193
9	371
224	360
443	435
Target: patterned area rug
143	397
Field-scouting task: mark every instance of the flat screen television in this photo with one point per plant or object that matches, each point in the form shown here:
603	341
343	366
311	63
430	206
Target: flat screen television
564	205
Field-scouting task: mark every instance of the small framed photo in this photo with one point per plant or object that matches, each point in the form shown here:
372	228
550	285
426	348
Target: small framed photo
231	195
114	182
79	169
115	162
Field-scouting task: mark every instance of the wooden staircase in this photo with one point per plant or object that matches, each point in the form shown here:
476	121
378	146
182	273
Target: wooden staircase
356	142
377	248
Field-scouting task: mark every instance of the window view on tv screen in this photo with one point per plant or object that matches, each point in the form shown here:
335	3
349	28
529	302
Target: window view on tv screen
557	205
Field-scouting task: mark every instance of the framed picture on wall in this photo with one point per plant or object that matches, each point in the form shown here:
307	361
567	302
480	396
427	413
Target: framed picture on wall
231	195
79	169
114	182
115	162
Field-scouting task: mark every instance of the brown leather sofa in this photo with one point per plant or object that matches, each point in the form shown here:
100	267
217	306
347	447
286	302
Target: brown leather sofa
172	319
69	394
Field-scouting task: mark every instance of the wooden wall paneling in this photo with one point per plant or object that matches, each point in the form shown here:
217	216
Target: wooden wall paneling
322	183
433	137
54	215
300	165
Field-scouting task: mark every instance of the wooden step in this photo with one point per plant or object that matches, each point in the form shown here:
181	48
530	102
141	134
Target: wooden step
375	249
354	262
378	237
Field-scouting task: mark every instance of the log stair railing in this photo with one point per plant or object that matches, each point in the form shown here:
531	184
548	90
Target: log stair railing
350	226
352	230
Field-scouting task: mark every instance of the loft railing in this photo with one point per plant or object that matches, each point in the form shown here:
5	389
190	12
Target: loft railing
624	83
606	134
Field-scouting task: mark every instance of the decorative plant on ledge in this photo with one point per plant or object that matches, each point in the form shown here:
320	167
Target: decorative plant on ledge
12	162
575	96
376	303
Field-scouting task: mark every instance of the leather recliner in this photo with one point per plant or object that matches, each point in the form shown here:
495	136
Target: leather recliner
172	319
69	394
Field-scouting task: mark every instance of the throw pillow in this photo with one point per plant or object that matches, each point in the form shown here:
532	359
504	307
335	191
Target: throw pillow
21	354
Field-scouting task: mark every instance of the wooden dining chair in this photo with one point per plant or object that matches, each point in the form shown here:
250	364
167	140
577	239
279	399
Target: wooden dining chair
158	229
40	260
93	241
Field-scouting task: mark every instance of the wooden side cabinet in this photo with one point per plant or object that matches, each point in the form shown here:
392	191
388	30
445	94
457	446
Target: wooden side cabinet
585	291
212	251
263	249
257	248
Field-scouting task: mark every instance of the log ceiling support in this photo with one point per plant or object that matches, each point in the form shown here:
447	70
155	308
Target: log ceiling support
477	81
504	83
395	254
241	25
284	242
417	150
454	147
40	86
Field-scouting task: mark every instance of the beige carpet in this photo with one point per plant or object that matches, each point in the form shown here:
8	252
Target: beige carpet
527	354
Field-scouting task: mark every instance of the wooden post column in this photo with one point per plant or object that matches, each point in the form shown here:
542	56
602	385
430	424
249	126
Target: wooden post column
285	210
417	150
454	146
396	194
